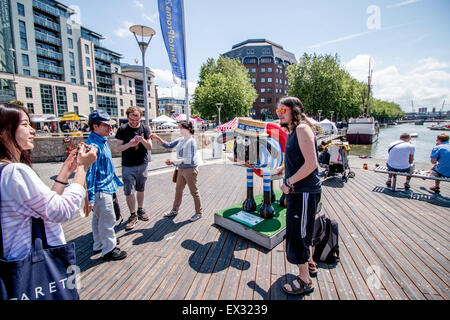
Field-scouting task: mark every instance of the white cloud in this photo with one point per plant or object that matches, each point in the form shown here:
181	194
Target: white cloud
427	82
124	31
138	4
150	17
403	3
167	88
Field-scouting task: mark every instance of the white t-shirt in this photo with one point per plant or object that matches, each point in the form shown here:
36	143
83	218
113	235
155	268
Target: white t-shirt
399	155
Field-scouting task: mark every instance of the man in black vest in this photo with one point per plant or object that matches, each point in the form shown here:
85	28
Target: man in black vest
135	148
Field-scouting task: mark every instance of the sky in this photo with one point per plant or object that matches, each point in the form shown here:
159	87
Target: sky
406	40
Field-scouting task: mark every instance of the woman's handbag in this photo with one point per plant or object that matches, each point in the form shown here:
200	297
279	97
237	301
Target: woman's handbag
175	175
47	273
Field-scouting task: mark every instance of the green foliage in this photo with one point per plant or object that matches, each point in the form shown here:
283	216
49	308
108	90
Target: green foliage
321	83
225	81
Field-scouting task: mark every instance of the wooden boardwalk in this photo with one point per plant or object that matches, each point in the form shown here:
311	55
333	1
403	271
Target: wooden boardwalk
394	245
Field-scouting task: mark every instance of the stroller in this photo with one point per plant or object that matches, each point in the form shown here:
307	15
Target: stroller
335	160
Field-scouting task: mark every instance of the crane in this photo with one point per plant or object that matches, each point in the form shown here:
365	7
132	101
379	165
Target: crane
412	104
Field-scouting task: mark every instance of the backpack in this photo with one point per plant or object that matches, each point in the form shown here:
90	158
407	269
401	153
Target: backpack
326	240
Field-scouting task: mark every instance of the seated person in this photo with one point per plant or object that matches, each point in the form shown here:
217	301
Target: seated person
440	157
401	158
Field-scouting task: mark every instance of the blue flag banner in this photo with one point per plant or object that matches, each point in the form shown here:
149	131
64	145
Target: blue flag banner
172	28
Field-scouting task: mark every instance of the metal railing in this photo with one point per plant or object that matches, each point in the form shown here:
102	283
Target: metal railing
50	68
104	90
49	53
46	8
102	68
50	39
46	23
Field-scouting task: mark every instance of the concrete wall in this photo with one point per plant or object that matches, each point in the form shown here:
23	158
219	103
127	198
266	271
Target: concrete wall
53	149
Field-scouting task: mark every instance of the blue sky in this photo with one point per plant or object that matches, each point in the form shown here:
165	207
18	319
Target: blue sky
407	40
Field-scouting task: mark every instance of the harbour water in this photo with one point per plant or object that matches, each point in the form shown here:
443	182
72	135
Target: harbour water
424	142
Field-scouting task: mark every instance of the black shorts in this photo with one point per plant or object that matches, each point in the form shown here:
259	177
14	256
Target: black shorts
300	218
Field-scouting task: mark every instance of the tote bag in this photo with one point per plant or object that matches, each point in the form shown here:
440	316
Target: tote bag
47	273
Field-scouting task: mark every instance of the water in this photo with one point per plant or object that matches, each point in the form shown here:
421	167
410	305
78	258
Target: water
424	143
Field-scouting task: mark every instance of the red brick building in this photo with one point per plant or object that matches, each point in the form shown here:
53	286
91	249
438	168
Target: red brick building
266	62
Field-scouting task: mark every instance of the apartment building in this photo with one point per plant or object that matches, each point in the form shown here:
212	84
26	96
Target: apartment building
59	65
169	105
266	63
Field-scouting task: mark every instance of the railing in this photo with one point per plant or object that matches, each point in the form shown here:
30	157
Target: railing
106	57
46	8
102	68
104	80
104	90
50	68
140	97
46	23
49	53
49	39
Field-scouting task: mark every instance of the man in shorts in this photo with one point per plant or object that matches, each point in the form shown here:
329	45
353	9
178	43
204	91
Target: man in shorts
440	157
135	148
400	158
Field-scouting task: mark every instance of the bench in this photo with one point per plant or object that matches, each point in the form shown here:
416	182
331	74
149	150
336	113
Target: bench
415	174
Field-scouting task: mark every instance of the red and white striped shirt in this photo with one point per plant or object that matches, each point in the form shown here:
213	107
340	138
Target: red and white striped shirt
24	195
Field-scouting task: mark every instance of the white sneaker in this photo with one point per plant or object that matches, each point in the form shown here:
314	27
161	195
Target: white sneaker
172	213
195	217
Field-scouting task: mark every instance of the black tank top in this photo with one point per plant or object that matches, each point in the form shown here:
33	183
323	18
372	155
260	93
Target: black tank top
293	161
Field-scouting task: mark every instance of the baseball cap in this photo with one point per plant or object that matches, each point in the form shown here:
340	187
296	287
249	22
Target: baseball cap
101	116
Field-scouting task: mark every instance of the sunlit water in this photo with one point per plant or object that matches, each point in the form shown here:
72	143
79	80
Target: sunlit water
424	143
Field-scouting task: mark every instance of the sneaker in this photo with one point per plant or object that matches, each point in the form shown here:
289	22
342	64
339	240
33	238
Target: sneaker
131	222
407	186
172	213
195	217
142	215
100	250
115	254
388	183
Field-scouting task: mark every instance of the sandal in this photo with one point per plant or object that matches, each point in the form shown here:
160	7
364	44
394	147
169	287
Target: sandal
312	267
298	286
172	213
435	189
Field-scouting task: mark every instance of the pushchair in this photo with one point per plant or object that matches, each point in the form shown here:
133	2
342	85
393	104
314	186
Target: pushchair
335	160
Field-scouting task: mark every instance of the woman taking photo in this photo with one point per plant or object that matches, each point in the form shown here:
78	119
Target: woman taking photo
186	148
302	188
24	195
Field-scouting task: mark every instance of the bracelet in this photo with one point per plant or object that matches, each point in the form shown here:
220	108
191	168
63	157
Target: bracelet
60	182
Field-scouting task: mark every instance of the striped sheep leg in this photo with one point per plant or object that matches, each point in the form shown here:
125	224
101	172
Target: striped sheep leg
267	211
249	204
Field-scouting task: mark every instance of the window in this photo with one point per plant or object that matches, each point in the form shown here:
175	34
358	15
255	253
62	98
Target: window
86	49
20	9
88	62
23	35
69	29
89	75
130	84
26	72
28	92
72	71
120	81
47	99
25	60
30	107
269	69
75	108
74	80
90	86
253	70
75	97
91	109
91	98
61	100
263	69
247	69
121	102
269	90
120	91
253	80
263	80
269	80
263	100
131	102
70	43
263	90
121	113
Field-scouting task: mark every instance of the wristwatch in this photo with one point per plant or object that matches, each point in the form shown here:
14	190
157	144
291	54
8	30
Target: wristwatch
289	185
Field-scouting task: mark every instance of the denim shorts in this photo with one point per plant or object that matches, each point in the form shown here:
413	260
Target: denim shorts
134	178
398	170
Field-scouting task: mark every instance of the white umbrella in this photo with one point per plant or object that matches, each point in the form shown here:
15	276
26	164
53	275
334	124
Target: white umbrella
169	124
163	119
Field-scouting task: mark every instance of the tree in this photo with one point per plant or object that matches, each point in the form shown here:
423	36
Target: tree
225	81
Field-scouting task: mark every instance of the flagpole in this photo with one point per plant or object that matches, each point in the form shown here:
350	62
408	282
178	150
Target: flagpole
188	111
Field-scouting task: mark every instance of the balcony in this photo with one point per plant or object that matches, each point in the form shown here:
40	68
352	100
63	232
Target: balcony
46	23
49	53
46	8
49	68
106	58
46	38
139	97
105	90
104	80
102	68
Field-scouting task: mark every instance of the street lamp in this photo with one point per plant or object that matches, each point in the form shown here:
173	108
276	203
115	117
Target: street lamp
320	112
143	32
332	112
13	55
219	107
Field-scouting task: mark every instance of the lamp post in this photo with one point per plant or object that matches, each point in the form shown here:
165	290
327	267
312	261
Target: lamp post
219	107
320	112
144	32
13	55
332	112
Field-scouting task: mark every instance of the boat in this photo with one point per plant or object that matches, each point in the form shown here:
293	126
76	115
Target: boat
414	135
440	127
363	130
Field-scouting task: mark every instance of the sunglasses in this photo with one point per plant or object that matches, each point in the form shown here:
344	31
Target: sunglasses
282	110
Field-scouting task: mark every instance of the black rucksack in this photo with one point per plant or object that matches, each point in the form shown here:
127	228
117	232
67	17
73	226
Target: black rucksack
326	240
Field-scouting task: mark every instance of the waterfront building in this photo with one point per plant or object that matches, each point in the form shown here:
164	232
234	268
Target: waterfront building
266	63
169	105
60	65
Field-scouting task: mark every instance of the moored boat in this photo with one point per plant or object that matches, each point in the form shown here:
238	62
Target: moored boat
362	131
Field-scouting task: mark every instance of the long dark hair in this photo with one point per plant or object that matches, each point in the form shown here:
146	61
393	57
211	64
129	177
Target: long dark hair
9	122
187	125
298	110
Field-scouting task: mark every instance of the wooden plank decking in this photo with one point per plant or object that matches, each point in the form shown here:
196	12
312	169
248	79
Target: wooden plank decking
394	245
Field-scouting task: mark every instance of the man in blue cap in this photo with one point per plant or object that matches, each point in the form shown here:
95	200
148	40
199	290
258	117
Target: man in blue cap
102	183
